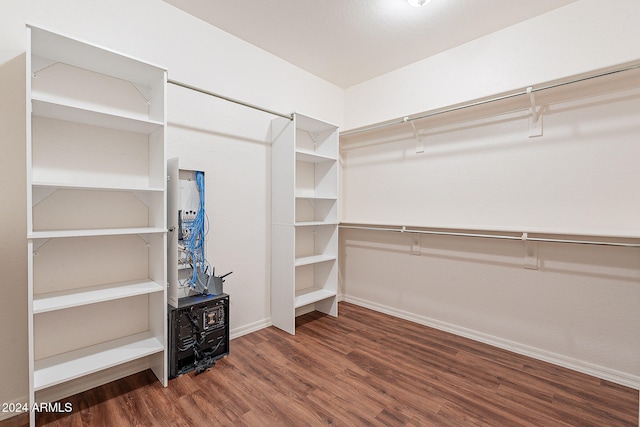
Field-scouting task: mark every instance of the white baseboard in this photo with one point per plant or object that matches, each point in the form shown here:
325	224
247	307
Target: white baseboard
597	371
256	326
251	327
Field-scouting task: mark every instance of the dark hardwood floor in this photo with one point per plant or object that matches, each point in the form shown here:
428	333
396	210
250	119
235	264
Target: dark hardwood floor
362	368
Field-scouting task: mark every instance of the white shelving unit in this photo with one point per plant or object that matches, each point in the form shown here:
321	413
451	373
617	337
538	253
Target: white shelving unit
304	231
96	216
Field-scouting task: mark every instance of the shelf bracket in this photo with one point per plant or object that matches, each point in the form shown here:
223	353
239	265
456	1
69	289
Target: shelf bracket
39	194
143	197
37	244
535	116
144	91
314	137
147	239
530	253
317	136
416	135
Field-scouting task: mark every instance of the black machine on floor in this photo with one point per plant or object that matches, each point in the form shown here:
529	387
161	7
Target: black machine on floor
198	333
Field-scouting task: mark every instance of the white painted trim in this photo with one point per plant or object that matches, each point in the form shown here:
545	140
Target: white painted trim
251	327
597	371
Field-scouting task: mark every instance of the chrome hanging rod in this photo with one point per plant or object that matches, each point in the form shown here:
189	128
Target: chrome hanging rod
524	237
226	98
487	101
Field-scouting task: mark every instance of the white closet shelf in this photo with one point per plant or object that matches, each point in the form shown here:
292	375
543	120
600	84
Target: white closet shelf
59	48
75	364
44	105
50	234
72	186
311	157
73	298
315	259
516	230
311	295
316	197
313	223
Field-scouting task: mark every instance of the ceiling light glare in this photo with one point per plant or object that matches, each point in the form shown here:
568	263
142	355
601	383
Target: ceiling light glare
418	3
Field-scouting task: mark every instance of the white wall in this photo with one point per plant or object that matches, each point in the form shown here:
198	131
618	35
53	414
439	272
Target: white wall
574	39
480	170
230	143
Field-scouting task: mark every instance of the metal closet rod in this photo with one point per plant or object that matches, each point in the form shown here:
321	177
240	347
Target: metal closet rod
524	237
487	101
226	98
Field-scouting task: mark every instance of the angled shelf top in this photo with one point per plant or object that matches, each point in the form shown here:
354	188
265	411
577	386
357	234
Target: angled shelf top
65	49
313	125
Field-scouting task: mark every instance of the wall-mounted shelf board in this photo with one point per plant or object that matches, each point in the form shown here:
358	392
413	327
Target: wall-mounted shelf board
313	223
517	231
68	366
309	157
59	47
73	298
312	295
314	197
315	259
113	119
71	186
94	232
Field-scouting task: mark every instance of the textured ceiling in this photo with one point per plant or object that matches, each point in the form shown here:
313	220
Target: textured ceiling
350	41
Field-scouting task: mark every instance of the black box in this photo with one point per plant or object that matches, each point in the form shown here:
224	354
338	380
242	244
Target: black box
198	333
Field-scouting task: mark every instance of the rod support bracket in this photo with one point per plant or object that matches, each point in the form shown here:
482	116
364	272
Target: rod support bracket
416	244
535	116
416	135
530	260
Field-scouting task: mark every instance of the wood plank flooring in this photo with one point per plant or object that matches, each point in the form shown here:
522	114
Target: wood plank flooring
361	369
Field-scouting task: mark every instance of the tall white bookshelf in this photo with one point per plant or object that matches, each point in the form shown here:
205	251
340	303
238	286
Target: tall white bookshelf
96	215
304	231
